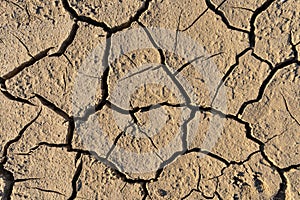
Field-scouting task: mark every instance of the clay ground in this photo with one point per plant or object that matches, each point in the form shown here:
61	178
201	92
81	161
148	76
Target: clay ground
49	152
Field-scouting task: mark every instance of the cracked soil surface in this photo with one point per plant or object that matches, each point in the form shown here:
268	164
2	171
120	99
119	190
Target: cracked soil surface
49	152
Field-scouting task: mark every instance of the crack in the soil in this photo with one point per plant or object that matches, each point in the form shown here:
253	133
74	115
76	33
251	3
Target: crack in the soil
198	189
289	111
216	10
164	65
46	190
26	64
24	45
8	179
16	139
262	60
195	21
193	60
6	175
53	107
12	97
254	16
229	71
67	42
103	25
75	179
267	81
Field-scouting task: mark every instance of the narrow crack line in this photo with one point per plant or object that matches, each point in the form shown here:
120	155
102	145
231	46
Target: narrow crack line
186	65
197	189
114	144
289	111
132	62
45	190
149	138
214	194
253	18
135	121
208	153
266	82
121	190
165	66
15	4
16	139
177	31
215	9
9	182
271	67
69	61
75	179
195	21
20	7
116	141
26	64
214	55
195	59
28	13
274	136
31	150
23	44
117	108
134	74
242	8
189	194
52	107
20	180
219	6
229	71
67	42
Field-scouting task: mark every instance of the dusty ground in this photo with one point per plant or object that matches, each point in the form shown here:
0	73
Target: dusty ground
67	130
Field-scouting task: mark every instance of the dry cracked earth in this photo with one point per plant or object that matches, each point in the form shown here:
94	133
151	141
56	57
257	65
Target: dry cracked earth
48	151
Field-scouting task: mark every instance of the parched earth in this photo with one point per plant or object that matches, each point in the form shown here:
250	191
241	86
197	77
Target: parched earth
150	99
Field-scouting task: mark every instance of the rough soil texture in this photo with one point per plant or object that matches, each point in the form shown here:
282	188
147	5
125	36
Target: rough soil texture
51	147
